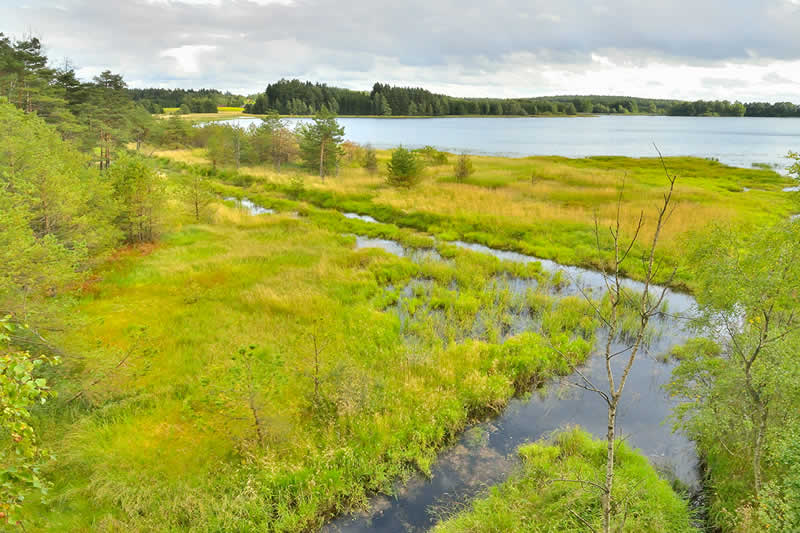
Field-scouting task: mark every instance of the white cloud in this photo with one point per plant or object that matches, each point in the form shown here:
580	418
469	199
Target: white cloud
188	57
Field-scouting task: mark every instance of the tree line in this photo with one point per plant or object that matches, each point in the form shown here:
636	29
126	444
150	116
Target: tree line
295	97
156	100
96	116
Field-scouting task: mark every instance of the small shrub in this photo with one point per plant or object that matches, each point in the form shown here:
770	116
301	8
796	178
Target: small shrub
296	186
404	168
432	156
370	160
463	167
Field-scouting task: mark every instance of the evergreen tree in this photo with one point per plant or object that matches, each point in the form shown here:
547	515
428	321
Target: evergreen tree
107	113
320	142
140	193
404	169
55	212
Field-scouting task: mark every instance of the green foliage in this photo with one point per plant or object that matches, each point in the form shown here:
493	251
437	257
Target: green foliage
21	454
272	142
320	143
463	167
140	194
404	169
296	186
297	97
432	156
55	213
198	100
175	132
227	144
370	160
794	168
195	191
741	392
550	491
779	505
389	396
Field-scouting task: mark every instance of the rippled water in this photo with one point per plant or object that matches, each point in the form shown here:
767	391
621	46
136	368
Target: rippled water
734	141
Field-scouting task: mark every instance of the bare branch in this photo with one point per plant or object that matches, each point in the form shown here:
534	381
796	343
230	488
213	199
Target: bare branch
580	481
584	522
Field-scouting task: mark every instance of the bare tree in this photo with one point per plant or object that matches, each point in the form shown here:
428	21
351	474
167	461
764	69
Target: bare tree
645	304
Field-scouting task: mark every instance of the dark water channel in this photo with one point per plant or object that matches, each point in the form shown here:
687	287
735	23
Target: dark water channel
485	453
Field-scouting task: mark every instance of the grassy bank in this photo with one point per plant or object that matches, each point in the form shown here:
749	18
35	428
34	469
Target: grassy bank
195	399
543	206
534	501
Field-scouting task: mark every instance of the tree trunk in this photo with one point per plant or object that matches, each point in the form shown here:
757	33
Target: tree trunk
256	418
761	429
612	421
321	159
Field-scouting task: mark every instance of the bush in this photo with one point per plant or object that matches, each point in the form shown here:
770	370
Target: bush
296	187
404	168
370	160
463	167
432	156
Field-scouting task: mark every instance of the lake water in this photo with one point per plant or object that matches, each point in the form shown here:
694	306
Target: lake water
734	141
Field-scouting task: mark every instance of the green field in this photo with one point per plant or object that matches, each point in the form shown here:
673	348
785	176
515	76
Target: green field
169	440
544	206
146	446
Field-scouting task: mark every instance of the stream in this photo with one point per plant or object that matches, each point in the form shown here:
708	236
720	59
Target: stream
485	454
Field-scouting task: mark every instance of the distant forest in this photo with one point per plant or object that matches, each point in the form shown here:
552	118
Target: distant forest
195	100
295	97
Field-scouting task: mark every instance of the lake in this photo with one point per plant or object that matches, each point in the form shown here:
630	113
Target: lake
733	141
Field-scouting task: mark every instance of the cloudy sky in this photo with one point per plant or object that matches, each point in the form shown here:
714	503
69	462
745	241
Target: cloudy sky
690	49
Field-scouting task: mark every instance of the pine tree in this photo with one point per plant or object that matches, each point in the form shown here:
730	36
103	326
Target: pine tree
320	143
404	169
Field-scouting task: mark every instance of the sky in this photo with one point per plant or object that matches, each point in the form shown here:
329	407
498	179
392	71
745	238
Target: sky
746	50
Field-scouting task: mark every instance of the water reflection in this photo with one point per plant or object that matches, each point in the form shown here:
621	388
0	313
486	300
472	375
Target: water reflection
485	454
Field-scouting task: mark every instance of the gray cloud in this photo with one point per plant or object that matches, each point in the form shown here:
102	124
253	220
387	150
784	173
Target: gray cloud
244	44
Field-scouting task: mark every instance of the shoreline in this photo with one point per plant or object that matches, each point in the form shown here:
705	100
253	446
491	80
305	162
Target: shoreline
223	115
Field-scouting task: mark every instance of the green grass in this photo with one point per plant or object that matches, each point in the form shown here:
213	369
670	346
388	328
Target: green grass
163	436
532	501
546	206
166	439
